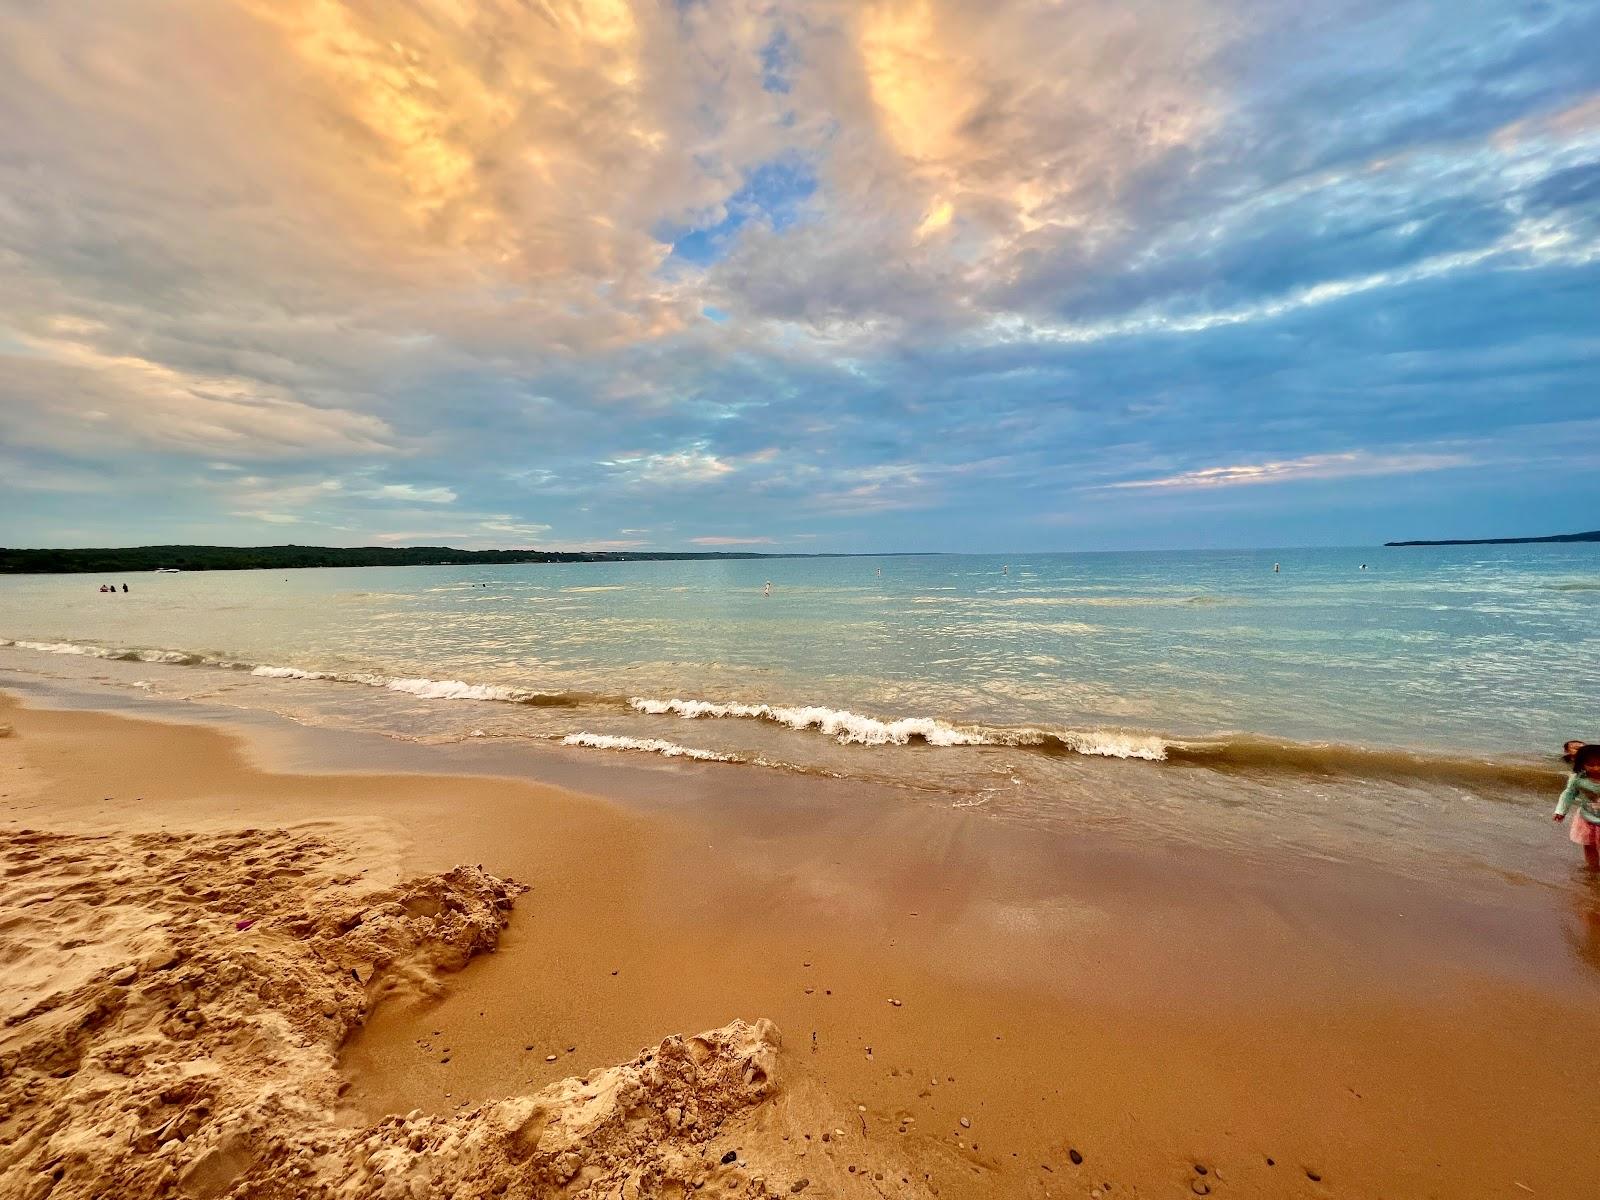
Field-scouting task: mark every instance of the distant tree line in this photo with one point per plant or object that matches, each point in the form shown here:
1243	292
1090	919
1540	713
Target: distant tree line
1592	535
251	558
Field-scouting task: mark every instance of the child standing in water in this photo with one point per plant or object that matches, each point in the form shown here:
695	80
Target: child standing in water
1583	792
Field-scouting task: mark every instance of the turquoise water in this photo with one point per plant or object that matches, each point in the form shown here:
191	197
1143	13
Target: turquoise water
1013	681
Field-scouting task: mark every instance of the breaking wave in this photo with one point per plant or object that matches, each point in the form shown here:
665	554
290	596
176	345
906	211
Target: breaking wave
1242	754
606	741
849	728
427	689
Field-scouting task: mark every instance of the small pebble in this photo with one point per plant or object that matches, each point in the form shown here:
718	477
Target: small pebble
1077	1159
1200	1187
731	1155
896	1003
549	1058
966	1124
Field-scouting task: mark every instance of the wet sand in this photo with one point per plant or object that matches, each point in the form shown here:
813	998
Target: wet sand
1152	1008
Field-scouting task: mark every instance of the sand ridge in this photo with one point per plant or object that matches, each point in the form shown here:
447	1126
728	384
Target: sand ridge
172	1006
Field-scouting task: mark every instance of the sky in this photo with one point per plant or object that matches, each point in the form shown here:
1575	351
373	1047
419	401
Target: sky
834	275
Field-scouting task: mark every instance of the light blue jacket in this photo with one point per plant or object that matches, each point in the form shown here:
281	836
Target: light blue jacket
1583	792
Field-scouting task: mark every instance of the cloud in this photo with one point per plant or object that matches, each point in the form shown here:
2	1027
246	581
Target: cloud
883	270
1351	465
723	540
412	492
65	392
271	518
691	466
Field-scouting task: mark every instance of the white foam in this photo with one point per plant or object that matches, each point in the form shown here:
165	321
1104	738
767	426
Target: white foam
1100	743
844	726
67	648
455	689
606	741
1120	745
853	728
427	689
91	651
287	673
177	657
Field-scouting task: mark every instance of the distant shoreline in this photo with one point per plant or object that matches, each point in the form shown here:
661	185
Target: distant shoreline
1592	535
282	558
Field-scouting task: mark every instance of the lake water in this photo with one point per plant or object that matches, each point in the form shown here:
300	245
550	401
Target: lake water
1321	706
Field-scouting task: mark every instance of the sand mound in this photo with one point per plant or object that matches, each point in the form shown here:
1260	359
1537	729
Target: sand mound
172	1005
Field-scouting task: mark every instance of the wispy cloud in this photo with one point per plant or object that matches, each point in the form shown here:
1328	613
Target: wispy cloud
413	492
689	466
727	540
1355	464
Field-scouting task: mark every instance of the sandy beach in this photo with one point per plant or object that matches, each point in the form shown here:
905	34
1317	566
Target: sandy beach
493	986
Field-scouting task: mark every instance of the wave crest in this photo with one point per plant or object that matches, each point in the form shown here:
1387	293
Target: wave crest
844	726
849	728
607	741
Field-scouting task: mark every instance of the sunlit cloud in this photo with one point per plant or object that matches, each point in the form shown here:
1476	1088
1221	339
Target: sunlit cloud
691	466
888	271
62	392
1353	465
414	493
271	518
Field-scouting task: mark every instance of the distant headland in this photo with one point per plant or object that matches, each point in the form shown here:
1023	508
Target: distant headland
274	558
1592	536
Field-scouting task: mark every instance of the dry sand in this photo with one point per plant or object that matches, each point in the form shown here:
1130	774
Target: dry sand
1071	1018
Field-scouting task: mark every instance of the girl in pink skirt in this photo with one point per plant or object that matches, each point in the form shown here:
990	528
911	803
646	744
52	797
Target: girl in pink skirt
1583	793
